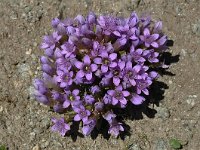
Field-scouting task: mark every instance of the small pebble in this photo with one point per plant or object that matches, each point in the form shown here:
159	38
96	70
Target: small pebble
160	144
162	112
134	147
191	100
28	52
1	108
35	44
36	147
170	82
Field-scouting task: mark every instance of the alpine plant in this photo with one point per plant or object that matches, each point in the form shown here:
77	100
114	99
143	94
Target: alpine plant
94	64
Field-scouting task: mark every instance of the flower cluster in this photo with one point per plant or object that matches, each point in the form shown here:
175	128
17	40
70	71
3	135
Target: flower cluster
94	64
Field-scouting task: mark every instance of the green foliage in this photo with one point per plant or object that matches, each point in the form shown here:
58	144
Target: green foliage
2	147
175	144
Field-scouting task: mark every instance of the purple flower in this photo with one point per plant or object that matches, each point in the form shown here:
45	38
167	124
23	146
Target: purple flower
88	126
132	73
133	20
56	96
105	81
55	22
120	42
107	99
86	68
148	39
70	97
96	49
91	18
157	27
95	89
109	116
106	60
89	99
115	128
63	63
142	86
50	41
82	113
58	108
60	126
151	55
116	73
137	99
99	106
47	69
39	86
68	49
137	55
162	41
108	23
118	95
153	74
40	92
64	77
41	98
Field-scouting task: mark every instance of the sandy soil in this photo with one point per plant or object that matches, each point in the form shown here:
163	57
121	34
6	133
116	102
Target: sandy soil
24	124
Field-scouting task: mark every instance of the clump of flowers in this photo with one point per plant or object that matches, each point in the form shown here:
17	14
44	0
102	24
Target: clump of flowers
94	64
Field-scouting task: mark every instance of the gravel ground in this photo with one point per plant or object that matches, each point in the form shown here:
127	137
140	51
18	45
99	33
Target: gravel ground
24	124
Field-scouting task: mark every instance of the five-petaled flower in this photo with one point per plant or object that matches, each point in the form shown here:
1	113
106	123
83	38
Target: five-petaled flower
85	68
60	126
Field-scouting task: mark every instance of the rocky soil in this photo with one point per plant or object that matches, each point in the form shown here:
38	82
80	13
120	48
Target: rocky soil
24	123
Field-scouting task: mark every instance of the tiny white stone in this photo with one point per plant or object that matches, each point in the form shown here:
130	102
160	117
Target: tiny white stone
36	147
1	108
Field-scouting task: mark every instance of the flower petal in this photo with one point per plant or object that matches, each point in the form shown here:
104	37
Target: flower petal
104	68
146	32
111	92
66	104
113	56
155	44
78	64
132	81
94	67
77	117
125	93
75	91
113	65
129	64
88	76
123	101
114	101
154	36
86	59
116	33
137	99
98	61
116	81
80	74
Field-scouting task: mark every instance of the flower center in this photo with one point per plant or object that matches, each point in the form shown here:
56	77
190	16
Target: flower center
142	85
86	68
71	97
118	94
130	73
83	113
116	72
137	57
66	78
106	61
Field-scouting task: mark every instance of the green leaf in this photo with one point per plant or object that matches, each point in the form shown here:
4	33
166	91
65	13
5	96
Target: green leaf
2	147
175	144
